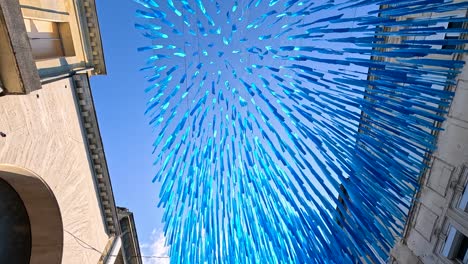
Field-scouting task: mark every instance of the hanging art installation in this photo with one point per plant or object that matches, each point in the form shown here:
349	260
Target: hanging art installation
295	131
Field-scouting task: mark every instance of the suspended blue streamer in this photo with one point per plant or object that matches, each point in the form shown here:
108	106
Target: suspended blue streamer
295	131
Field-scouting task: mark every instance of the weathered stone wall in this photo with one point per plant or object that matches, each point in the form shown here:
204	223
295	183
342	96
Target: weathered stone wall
44	135
442	186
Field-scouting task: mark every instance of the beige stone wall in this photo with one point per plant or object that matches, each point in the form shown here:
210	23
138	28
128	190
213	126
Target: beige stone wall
435	206
44	135
48	61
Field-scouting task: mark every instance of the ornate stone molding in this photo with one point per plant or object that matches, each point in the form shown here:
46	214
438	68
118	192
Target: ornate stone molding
96	153
94	33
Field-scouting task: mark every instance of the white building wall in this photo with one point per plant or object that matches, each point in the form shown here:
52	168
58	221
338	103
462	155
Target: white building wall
44	135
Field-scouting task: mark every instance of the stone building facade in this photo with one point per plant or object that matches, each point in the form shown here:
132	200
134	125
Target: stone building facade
437	227
130	244
55	190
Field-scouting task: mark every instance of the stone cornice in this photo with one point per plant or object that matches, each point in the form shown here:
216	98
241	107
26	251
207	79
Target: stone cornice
94	34
96	153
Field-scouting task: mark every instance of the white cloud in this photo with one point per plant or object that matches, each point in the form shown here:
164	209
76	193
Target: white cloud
156	248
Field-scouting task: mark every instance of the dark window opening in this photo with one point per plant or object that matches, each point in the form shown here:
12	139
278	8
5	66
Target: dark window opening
15	228
462	253
452	35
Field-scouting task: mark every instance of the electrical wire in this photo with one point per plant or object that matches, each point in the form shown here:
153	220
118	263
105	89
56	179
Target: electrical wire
87	246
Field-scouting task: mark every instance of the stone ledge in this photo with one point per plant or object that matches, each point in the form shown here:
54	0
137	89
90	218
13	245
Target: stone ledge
401	254
18	70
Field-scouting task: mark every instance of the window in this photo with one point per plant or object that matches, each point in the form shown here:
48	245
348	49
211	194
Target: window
463	204
49	39
456	246
450	46
455	25
452	35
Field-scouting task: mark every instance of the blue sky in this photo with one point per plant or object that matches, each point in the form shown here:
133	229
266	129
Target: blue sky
120	102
